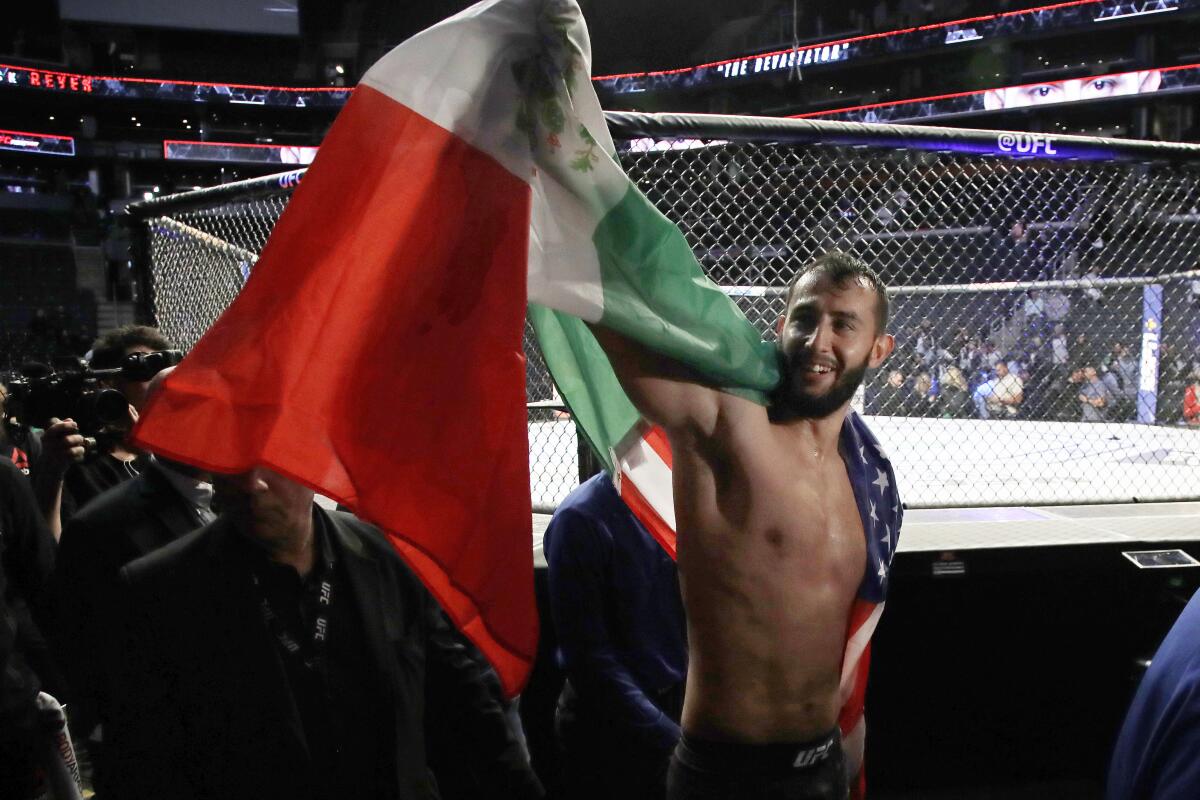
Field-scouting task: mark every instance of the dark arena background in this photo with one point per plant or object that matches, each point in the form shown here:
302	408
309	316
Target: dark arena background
1025	178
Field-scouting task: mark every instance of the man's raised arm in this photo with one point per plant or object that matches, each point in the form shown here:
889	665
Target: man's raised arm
665	392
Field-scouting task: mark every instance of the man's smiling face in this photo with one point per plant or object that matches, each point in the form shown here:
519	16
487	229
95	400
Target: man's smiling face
831	335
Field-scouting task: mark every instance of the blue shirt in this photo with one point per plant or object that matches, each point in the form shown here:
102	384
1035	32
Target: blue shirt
614	594
1157	756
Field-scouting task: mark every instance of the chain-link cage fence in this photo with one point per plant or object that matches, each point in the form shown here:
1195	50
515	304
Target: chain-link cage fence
1046	307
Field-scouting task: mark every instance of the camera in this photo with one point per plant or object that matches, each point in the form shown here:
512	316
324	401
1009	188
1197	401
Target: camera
72	389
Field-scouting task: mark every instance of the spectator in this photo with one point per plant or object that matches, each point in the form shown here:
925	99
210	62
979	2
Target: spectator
26	561
970	357
1172	364
1060	352
614	594
922	402
925	342
1064	394
1034	308
1116	402
286	651
164	502
1001	396
1095	396
1125	369
1191	401
954	396
1083	350
989	356
892	397
16	443
1155	754
63	478
1057	307
961	337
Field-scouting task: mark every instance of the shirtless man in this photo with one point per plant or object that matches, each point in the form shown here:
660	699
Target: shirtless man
771	541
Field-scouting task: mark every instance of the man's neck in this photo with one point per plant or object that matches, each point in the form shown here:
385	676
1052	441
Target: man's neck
819	436
292	543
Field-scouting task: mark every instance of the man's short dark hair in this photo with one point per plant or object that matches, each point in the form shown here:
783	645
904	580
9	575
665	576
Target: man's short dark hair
109	350
843	269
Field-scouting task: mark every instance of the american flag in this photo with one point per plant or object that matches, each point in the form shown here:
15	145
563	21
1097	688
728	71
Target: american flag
644	482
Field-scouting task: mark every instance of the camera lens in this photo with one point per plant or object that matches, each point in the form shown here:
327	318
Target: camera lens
111	406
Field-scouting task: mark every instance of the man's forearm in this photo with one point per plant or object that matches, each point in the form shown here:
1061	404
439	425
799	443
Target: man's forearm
48	489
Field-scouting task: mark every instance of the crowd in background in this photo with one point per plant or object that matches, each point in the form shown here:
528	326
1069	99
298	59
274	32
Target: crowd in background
1062	363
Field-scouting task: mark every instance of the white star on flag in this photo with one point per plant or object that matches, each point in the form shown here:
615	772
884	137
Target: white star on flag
862	453
882	571
873	516
881	481
887	536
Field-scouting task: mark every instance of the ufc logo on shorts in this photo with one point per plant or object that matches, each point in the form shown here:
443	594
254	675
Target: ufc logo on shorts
813	755
321	628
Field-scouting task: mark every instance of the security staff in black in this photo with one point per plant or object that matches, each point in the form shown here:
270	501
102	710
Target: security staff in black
287	652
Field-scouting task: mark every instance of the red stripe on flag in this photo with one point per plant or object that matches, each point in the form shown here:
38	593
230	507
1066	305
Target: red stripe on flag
641	508
656	437
375	355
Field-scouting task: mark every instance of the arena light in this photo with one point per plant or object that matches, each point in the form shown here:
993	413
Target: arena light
46	144
26	78
1180	79
1126	10
180	150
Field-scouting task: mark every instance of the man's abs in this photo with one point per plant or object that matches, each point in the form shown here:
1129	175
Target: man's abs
768	603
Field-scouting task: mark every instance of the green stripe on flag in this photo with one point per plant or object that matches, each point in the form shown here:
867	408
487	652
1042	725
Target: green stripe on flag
585	380
656	294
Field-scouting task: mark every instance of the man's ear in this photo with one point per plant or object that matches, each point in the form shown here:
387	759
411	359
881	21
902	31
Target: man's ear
881	349
779	327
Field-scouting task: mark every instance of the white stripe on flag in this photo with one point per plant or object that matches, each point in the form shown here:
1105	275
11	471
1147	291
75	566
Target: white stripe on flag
652	477
855	646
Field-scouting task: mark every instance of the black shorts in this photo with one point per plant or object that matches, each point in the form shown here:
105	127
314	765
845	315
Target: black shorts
708	770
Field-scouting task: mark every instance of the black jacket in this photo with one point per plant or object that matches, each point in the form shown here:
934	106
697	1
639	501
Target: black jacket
202	708
26	560
122	524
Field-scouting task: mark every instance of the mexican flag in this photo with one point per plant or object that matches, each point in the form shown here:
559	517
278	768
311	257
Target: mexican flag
375	353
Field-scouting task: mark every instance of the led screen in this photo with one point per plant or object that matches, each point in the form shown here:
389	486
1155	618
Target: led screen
272	17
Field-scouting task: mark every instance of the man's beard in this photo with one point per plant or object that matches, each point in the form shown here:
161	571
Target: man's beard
802	405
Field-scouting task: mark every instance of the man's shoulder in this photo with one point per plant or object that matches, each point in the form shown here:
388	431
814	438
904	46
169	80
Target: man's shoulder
172	562
115	506
368	541
361	536
12	480
595	494
594	506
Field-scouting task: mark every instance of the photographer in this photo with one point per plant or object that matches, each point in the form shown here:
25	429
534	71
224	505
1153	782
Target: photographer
17	444
63	478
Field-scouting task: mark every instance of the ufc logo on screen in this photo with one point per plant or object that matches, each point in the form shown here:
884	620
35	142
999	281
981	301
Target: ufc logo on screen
1026	144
